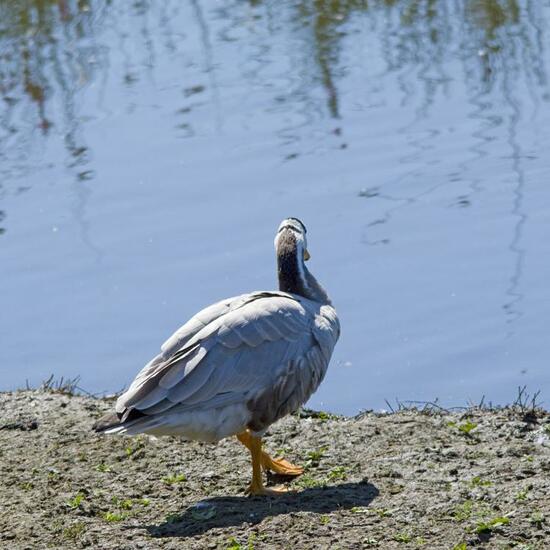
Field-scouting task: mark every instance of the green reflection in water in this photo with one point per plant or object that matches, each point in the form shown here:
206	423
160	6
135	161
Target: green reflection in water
39	38
51	49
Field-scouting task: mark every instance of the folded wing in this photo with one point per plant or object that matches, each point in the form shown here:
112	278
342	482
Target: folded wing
268	349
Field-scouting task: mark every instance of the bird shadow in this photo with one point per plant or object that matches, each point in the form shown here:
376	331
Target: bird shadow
230	511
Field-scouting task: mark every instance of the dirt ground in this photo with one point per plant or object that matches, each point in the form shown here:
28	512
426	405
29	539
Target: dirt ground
476	479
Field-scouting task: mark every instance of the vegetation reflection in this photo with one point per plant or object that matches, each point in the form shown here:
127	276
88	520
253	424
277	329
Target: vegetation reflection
50	50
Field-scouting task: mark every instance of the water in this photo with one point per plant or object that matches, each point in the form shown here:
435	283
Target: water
149	150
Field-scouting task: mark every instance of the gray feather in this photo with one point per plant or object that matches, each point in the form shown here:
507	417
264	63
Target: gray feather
269	349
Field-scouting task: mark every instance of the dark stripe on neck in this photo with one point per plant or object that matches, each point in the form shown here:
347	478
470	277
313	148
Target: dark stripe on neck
290	279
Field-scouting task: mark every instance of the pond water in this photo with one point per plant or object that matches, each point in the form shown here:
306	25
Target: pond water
148	151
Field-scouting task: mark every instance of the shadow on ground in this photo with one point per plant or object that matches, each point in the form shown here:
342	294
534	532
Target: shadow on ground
231	511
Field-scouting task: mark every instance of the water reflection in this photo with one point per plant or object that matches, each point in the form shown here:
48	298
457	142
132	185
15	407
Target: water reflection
48	54
416	117
52	48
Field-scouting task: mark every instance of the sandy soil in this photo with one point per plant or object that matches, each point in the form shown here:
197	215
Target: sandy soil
479	479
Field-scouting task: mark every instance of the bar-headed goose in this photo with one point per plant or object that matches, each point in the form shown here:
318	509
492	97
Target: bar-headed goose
239	365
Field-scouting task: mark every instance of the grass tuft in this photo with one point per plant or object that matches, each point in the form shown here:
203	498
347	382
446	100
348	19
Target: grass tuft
174	478
488	526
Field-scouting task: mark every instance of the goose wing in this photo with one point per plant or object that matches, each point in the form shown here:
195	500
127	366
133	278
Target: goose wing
270	349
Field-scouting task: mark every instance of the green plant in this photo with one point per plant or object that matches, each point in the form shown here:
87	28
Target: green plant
402	537
337	474
463	511
383	512
478	482
233	544
467	427
537	519
522	495
314	457
76	501
307	481
123	504
488	526
102	468
74	531
174	478
113	516
460	546
131	450
281	452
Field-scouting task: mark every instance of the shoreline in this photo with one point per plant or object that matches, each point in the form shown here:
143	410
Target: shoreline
478	478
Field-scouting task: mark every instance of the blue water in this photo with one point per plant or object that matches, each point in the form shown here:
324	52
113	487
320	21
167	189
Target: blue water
149	150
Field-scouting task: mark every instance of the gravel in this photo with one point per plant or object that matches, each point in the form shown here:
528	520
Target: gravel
473	479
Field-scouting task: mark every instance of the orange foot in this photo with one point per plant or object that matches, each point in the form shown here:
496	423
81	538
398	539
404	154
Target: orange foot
257	489
280	466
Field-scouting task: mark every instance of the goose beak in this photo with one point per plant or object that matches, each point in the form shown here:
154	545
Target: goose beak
307	255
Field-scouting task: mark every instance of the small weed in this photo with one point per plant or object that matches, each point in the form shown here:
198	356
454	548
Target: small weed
359	510
123	504
537	519
314	457
174	478
461	546
131	451
488	526
309	482
63	386
402	537
522	495
467	427
233	544
324	519
144	502
26	486
463	511
320	415
103	468
478	482
525	403
76	501
113	516
420	541
53	476
281	452
74	531
382	512
337	474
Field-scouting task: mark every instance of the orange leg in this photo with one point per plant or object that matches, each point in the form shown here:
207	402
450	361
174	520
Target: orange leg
276	465
260	460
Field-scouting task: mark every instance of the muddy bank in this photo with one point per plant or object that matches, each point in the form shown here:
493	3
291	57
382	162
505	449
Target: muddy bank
479	479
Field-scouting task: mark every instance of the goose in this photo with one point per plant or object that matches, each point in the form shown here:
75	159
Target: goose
239	365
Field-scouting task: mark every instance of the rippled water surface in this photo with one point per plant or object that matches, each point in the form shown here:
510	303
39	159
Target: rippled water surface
148	151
